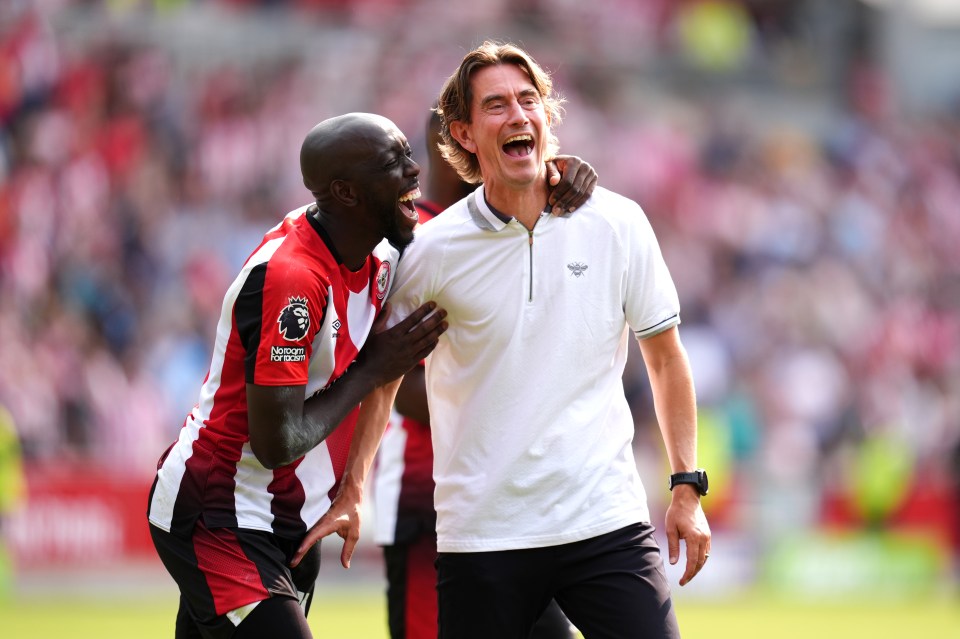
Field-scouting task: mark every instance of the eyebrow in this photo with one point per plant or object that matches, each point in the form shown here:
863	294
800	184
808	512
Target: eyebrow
499	96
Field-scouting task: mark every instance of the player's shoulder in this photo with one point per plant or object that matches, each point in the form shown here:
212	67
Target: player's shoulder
386	252
606	209
612	203
444	224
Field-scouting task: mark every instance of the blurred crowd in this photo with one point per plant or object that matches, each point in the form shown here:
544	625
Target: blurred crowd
818	268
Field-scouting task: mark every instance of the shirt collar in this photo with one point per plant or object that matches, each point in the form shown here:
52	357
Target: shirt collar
484	215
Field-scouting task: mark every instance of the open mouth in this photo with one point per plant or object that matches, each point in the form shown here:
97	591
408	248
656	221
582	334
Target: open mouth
406	206
519	146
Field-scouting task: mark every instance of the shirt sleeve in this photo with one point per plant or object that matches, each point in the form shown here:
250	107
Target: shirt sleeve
412	285
652	304
278	313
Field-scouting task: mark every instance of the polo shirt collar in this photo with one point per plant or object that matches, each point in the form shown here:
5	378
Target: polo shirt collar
481	213
484	215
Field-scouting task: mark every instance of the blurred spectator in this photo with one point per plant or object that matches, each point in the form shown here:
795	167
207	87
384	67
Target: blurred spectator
13	490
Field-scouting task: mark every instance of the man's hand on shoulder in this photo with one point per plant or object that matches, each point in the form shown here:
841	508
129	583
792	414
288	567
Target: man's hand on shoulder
572	181
390	352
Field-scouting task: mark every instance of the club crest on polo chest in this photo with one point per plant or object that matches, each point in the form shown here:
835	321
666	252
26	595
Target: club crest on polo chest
294	320
577	268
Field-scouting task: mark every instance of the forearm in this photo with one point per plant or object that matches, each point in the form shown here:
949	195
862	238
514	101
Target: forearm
411	398
371	423
676	409
284	426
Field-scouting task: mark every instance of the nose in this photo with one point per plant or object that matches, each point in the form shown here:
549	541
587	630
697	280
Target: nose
517	113
412	167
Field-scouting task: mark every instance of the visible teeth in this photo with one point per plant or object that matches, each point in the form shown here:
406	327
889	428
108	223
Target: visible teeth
518	138
412	195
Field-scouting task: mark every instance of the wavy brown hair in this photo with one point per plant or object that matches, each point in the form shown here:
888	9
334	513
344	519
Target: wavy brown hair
456	98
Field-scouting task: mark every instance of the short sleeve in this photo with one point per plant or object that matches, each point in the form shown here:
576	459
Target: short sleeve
278	313
651	301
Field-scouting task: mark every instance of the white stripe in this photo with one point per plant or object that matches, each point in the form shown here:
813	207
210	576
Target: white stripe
250	495
387	481
238	615
170	475
360	315
323	360
224	327
316	476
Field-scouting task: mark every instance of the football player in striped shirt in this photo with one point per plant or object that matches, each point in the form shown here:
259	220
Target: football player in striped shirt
298	393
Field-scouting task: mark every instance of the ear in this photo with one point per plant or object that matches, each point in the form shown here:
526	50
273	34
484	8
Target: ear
342	191
461	133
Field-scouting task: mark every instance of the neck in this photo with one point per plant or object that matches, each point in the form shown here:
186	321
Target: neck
524	204
352	246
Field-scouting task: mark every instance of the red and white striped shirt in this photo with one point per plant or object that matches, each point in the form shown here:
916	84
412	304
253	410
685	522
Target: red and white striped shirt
294	315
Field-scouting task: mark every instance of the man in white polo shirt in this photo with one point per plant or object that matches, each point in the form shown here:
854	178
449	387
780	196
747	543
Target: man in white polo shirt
537	491
538	494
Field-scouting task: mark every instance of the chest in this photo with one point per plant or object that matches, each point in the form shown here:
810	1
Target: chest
517	278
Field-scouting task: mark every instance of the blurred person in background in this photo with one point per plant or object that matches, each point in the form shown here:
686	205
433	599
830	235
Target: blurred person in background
13	488
538	495
403	481
279	428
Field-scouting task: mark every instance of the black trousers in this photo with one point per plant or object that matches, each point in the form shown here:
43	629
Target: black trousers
610	587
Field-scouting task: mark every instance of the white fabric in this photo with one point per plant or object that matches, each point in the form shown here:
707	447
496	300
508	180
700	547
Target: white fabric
387	481
532	433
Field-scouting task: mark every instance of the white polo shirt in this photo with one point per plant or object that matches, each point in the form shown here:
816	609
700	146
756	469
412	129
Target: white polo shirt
532	434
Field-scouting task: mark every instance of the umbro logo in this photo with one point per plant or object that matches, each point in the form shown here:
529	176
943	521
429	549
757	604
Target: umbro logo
336	328
577	268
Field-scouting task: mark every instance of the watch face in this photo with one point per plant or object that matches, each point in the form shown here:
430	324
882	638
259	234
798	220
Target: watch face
704	482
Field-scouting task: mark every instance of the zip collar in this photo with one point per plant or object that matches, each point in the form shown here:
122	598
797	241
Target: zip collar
486	216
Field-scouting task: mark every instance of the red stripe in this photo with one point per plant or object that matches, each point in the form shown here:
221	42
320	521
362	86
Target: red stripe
233	579
421	604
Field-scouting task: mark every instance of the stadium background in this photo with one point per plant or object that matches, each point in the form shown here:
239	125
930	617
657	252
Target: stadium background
799	160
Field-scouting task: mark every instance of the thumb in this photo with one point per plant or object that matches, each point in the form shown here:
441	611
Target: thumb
553	173
380	323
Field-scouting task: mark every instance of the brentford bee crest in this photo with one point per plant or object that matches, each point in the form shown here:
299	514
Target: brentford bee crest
294	319
383	279
577	268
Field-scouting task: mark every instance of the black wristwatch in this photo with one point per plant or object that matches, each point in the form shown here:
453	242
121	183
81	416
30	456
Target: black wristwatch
698	478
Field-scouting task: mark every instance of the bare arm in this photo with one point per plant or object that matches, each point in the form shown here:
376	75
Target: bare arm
675	403
343	517
285	425
412	396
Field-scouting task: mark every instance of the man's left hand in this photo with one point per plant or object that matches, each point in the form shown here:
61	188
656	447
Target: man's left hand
686	521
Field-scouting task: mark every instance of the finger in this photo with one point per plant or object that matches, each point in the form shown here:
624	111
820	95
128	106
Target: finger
430	327
315	534
673	546
424	352
695	561
553	173
415	317
349	545
380	324
428	342
303	550
580	190
560	196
